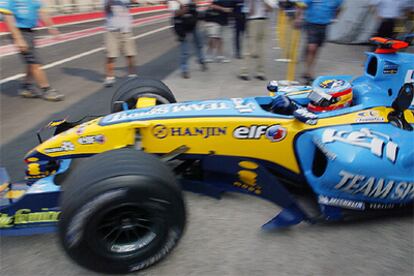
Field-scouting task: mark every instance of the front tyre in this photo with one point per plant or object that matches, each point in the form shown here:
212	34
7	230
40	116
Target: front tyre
135	88
121	212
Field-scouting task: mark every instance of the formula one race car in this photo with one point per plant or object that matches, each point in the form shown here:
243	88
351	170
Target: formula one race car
122	208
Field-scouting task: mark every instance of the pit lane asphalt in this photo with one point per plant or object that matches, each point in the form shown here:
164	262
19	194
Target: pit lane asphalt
223	237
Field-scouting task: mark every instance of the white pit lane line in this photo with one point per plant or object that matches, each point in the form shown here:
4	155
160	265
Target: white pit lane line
62	61
87	21
138	23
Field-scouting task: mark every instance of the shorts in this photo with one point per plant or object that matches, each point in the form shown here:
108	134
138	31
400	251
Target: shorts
117	42
316	33
30	56
214	30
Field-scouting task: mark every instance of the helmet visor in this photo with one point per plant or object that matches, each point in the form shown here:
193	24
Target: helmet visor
320	98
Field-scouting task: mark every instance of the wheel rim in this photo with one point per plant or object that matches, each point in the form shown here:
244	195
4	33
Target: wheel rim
159	99
125	230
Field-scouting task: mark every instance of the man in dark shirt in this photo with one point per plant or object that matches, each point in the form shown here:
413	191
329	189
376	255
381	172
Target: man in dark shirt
185	24
217	18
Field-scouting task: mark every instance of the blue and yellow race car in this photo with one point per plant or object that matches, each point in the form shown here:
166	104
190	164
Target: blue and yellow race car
112	185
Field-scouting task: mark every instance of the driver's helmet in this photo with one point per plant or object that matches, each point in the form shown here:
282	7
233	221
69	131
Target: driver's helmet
330	94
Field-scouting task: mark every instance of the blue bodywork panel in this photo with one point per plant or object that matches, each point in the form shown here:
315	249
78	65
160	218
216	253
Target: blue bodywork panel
35	212
347	174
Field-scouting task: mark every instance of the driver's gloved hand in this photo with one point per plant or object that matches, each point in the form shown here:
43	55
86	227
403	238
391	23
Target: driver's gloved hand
303	115
282	105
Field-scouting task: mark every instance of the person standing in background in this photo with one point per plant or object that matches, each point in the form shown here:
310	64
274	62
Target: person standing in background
217	19
21	18
315	16
256	36
389	11
119	37
239	13
185	22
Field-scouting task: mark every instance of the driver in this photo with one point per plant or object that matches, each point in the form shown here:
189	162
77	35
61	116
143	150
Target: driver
328	95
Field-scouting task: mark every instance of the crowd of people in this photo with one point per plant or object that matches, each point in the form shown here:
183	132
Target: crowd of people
239	14
248	19
193	22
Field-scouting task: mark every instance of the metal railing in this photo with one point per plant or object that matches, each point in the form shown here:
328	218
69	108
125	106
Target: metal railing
76	6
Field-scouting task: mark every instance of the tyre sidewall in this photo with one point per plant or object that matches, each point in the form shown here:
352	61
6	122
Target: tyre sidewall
77	222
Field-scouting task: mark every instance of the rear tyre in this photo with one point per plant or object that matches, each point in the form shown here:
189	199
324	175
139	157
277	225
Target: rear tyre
135	88
122	211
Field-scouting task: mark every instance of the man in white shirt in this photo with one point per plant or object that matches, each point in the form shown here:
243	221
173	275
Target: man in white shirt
389	11
257	11
119	37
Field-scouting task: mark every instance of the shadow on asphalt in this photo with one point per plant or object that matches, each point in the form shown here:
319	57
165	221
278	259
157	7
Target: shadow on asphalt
11	88
86	74
98	103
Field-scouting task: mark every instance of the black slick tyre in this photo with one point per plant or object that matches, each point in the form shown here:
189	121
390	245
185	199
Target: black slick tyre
135	88
122	211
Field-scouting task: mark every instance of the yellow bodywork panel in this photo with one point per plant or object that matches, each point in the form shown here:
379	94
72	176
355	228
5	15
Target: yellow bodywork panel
166	135
202	135
14	194
90	138
56	123
145	102
4	186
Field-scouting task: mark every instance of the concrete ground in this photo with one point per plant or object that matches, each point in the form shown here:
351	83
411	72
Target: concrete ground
223	237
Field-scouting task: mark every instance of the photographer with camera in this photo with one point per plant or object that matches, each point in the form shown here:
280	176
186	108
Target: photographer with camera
185	23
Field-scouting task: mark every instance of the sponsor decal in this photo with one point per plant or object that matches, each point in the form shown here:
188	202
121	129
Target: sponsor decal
66	146
369	117
134	114
377	142
294	90
390	68
24	216
242	106
92	139
331	83
131	115
339	202
303	115
383	206
409	77
274	133
172	238
204	106
161	131
322	147
81	129
247	178
375	187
